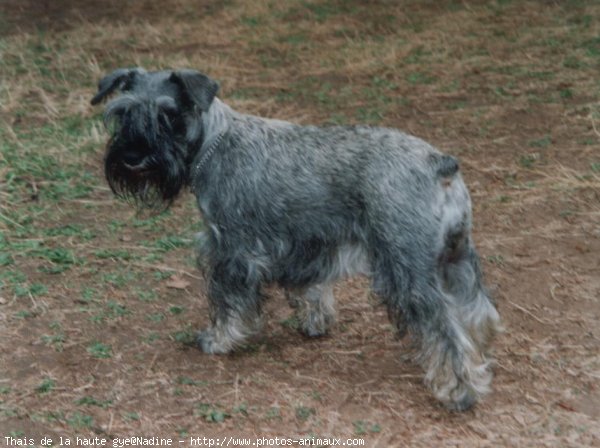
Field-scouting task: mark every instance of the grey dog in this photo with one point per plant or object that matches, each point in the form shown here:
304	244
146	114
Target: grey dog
301	206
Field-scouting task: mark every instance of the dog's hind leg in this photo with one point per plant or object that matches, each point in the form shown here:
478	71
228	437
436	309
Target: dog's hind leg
426	270
459	271
456	358
456	371
235	303
315	308
315	304
461	278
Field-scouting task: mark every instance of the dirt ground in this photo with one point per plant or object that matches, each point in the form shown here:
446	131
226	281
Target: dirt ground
98	305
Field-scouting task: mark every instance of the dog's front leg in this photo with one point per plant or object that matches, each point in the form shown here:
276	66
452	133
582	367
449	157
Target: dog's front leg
235	307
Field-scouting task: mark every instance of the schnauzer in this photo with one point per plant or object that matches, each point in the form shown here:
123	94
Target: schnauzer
301	206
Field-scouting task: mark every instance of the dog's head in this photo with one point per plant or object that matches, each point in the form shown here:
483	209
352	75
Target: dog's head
155	123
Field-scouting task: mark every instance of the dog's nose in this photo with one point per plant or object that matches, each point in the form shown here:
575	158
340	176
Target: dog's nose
135	162
132	158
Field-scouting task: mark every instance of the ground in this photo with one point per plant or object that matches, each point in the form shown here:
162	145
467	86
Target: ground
98	305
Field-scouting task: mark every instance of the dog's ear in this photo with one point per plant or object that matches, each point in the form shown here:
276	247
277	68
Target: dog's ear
196	88
116	80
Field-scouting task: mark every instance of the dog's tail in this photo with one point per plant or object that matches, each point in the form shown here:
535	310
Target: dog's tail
446	166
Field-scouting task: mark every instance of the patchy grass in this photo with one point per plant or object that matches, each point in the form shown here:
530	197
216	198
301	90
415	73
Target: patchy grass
96	330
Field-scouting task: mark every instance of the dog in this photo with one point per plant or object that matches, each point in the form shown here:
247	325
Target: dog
301	206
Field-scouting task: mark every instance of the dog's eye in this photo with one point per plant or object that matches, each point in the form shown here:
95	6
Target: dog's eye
170	112
170	117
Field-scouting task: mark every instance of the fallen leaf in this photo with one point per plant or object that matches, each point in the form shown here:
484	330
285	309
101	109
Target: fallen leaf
565	406
177	283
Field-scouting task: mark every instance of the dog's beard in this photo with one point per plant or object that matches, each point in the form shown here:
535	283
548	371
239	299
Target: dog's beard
154	182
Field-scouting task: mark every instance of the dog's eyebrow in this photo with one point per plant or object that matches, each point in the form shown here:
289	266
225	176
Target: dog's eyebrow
119	105
166	102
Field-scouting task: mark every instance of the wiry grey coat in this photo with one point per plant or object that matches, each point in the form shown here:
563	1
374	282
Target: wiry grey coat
301	206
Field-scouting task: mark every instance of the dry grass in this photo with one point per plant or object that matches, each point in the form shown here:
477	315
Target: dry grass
96	304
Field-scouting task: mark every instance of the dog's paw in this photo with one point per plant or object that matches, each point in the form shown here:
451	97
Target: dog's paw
459	388
461	399
293	298
315	325
207	341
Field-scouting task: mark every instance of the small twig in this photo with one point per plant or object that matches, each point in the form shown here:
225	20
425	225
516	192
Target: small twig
552	288
237	389
594	125
151	365
4	217
310	378
342	352
160	267
526	311
110	422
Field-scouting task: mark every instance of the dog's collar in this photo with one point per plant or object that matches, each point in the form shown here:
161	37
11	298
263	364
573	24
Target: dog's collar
208	153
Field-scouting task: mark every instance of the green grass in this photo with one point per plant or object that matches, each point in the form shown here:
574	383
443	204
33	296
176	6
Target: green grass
56	340
497	259
303	413
55	179
150	296
79	421
120	279
91	401
156	317
131	416
150	338
112	310
172	242
362	427
120	254
185	381
528	160
420	78
292	322
273	413
211	413
186	336
541	142
176	310
100	350
45	386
